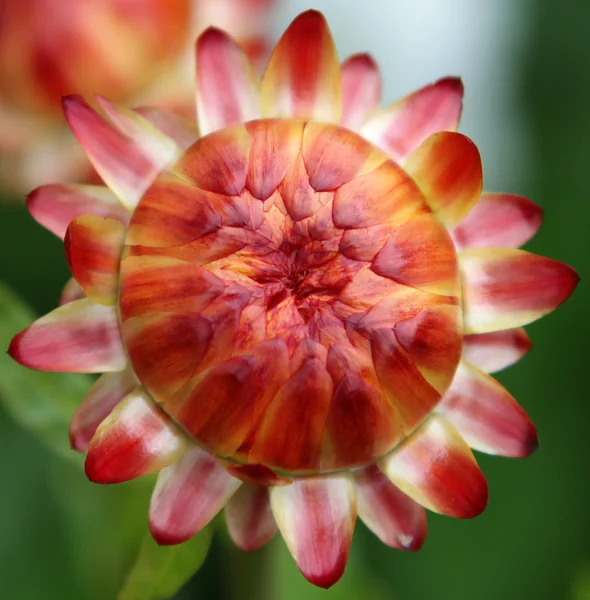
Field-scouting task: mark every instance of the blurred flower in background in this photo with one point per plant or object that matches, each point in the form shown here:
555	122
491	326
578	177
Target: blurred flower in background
136	51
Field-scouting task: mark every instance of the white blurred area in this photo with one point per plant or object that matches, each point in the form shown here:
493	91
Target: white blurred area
416	42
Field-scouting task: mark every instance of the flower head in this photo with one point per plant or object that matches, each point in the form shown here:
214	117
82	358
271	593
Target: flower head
297	312
130	51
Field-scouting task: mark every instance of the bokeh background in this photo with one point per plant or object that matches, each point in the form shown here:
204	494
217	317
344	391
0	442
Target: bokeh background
526	68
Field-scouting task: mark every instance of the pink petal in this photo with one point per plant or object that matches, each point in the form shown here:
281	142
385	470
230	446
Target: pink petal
249	518
71	291
302	79
227	85
80	337
316	518
403	126
495	351
155	144
501	220
188	495
55	206
487	416
447	167
392	516
361	89
137	438
117	158
104	395
505	288
93	248
435	467
176	127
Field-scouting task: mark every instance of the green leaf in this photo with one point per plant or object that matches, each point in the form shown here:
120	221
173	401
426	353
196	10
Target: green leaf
160	571
42	403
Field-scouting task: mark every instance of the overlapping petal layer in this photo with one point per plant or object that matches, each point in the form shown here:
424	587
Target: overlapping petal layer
293	326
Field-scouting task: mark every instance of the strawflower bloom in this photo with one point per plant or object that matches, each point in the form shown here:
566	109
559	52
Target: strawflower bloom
296	310
135	51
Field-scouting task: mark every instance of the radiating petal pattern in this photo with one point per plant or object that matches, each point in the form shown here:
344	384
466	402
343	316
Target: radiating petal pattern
487	416
183	131
227	85
93	248
302	79
392	516
500	220
403	126
55	206
361	90
436	468
137	438
79	337
505	288
188	495
249	517
447	167
316	518
495	351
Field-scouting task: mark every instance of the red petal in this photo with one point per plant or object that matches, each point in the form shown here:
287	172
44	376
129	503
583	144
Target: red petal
249	518
487	416
500	220
392	516
187	496
495	351
137	438
316	518
435	467
361	89
403	126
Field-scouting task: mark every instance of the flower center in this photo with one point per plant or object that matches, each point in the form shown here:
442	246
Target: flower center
289	299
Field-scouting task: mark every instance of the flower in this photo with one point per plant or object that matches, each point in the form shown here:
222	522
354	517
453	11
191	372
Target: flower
298	312
135	51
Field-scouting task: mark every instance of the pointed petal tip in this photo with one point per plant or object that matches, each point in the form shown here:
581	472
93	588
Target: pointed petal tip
453	83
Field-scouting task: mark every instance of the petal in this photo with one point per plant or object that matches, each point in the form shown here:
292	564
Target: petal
71	291
435	467
80	337
316	518
249	518
361	90
165	349
55	206
219	407
93	249
104	395
155	144
447	167
505	288
181	130
392	516
137	438
227	85
117	158
188	495
501	220
403	126
302	79
487	416
290	436
495	351
420	254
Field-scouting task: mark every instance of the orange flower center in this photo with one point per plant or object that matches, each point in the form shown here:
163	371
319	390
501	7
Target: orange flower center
289	299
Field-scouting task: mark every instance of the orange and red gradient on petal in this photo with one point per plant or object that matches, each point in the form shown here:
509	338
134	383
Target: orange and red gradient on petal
136	51
297	313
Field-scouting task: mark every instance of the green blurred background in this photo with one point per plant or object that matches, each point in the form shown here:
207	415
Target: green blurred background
64	538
